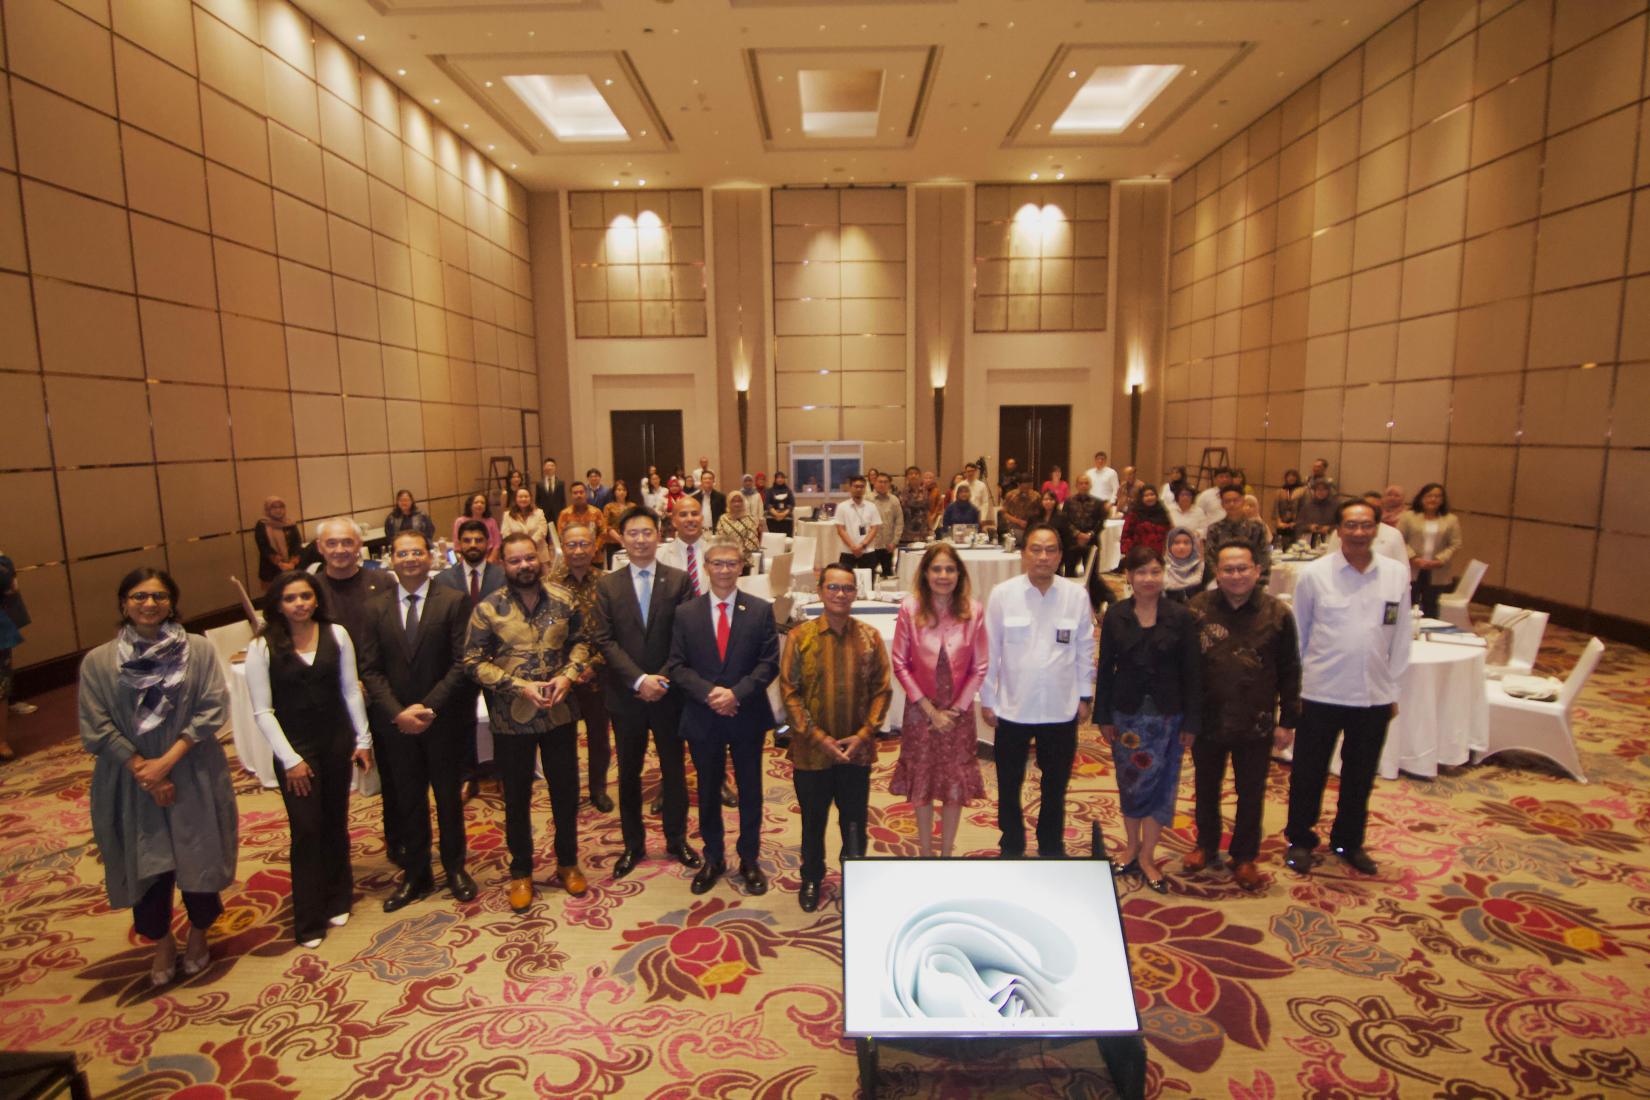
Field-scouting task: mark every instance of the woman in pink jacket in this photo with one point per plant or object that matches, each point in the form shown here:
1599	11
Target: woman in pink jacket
939	657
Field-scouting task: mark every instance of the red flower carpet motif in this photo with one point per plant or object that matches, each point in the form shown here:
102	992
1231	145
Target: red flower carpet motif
1502	952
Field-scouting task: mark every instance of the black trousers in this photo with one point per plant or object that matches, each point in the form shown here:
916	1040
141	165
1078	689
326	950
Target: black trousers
599	754
426	763
1250	759
1071	562
871	559
322	884
389	799
631	734
847	785
1320	725
152	915
710	762
1056	744
558	749
1424	594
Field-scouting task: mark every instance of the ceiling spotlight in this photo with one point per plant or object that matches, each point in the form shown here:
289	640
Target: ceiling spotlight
608	82
1059	175
436	101
489	148
641	133
360	38
641	183
489	83
466	125
1072	75
512	164
1034	175
401	72
615	183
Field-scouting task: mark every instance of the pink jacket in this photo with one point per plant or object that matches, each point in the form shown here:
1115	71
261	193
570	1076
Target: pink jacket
916	650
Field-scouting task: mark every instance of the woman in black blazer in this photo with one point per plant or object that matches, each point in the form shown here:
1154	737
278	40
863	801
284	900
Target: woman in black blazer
1147	702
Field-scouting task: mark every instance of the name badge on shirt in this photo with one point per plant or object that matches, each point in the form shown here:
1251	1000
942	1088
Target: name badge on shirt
1389	616
1062	637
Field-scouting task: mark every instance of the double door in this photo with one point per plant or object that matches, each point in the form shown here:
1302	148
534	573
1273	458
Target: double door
1038	437
643	438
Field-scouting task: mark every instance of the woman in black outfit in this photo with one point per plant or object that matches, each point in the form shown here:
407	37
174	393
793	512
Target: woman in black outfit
306	700
1147	704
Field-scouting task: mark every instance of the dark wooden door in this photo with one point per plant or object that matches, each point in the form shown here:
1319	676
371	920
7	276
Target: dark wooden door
643	438
1037	437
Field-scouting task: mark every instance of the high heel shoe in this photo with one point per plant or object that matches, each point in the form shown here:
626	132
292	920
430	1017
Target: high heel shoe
1132	867
1159	885
164	967
194	961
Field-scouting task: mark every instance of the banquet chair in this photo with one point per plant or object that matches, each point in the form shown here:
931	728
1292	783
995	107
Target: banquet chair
1527	634
230	640
779	574
1453	607
1541	727
773	544
757	584
802	563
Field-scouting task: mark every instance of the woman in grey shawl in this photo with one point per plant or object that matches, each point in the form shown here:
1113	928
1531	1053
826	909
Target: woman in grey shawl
152	703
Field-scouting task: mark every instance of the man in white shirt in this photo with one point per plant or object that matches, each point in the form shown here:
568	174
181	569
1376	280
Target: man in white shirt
1038	688
687	553
1209	499
1103	483
858	522
698	471
1352	611
893	523
1389	541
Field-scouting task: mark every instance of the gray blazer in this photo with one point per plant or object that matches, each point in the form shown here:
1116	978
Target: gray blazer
1413	526
198	836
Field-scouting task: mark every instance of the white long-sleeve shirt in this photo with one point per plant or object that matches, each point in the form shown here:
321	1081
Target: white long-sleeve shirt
1103	484
263	703
1042	651
1355	633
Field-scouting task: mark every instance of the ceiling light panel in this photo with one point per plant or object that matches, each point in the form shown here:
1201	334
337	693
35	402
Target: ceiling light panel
1112	97
848	98
570	105
590	103
1120	95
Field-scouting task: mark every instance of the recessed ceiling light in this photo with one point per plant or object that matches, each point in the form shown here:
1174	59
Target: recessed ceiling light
615	183
1059	175
436	100
641	183
489	83
401	72
1034	175
1072	75
571	105
643	133
608	82
1112	97
360	38
512	164
490	148
466	125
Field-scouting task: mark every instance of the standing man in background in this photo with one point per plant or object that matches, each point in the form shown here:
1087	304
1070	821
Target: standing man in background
550	492
578	572
858	521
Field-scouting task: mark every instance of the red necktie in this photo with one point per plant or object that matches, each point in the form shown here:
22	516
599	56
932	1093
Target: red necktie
693	569
722	628
475	587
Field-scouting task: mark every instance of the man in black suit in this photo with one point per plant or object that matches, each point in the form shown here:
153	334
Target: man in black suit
418	703
635	610
711	499
550	492
724	653
600	495
477	578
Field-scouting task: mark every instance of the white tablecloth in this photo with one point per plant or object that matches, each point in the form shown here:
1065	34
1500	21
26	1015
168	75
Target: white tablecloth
828	546
1443	715
988	566
1111	545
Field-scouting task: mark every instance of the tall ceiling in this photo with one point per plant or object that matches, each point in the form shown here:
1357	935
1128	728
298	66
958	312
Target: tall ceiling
707	91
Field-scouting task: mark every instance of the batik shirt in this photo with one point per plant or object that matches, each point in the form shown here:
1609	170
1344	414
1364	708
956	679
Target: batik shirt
584	597
835	685
509	647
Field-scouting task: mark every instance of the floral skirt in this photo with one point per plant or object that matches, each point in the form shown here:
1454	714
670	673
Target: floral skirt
935	766
1147	753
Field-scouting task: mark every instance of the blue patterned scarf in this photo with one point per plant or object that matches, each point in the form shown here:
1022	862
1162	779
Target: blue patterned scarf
154	669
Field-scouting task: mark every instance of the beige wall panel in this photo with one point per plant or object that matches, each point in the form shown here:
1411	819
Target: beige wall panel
1623	504
808	353
190	422
94	584
1600	76
873	242
1567	406
108	509
808	424
873	423
873	316
163	27
1362	465
262	427
1498	265
1548	483
67	144
874	388
87	331
76	238
97	421
1575	326
28	519
1582	245
1512	43
324	484
1426	346
882	206
805	207
1619	585
1590	161
258	479
1420	412
1492	338
172	263
1480	479
1552	560
1325	361
1442	83
197	498
369	481
202	569
52	45
797	390
1509	117
1487	409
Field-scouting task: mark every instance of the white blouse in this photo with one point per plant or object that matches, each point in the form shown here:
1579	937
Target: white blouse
263	704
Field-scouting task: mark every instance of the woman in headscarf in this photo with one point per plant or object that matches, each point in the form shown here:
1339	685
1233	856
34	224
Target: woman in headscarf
1284	506
1182	565
1393	505
278	541
152	703
673	496
1146	524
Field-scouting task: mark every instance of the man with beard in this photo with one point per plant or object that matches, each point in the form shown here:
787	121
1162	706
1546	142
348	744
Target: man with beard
527	648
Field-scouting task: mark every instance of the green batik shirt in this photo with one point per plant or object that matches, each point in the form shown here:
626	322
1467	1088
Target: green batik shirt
509	647
584	599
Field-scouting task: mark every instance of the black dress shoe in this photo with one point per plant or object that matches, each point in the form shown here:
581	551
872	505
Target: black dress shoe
1299	859
729	798
756	883
472	787
1132	867
1358	860
682	853
808	898
602	803
627	862
410	890
707	876
460	885
656	807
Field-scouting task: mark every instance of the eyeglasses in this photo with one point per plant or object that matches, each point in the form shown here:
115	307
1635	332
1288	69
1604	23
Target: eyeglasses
722	563
149	597
576	544
841	589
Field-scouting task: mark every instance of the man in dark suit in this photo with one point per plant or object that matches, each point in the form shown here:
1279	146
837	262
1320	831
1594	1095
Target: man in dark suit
417	703
550	492
600	495
477	578
724	653
635	610
711	499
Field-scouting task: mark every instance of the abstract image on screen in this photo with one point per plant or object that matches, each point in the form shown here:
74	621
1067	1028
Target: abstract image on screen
979	958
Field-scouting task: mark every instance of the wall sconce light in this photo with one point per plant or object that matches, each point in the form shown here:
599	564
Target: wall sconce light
742	398
939	425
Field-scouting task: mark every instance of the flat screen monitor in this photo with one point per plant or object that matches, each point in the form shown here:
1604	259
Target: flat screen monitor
955	948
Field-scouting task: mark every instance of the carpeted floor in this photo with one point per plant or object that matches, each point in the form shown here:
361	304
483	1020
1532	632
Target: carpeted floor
1504	951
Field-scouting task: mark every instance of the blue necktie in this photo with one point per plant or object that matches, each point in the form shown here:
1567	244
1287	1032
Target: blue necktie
646	593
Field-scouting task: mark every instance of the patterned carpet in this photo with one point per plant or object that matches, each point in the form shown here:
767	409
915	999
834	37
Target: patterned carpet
1503	952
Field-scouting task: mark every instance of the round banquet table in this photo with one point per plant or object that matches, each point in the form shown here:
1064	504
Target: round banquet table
988	566
827	547
1443	715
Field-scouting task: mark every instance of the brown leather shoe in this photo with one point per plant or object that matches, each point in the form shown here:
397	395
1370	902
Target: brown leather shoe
521	894
1196	860
573	879
1247	875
